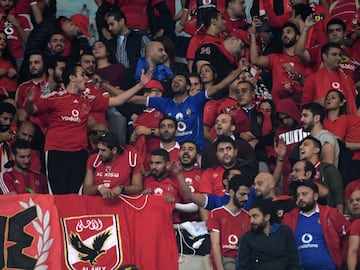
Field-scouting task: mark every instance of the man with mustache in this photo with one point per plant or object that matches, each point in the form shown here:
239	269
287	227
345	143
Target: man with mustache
228	223
268	245
20	179
286	68
318	229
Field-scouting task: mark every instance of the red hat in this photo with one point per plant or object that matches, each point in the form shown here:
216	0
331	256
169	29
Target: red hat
155	84
81	21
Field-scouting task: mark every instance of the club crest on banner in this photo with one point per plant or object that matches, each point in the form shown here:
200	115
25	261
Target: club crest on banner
92	242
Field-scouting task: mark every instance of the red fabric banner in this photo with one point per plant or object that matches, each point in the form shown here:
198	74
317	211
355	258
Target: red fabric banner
86	232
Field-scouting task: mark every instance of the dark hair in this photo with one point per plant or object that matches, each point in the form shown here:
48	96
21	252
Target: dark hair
162	153
70	70
343	109
192	142
211	13
315	109
6	107
6	53
237	181
304	10
309	167
43	57
265	206
110	55
185	76
224	139
117	14
315	141
53	60
327	47
213	69
252	87
336	21
194	74
19	144
293	26
168	118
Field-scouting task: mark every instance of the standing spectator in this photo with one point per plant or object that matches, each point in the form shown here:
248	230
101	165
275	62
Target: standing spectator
195	83
127	45
68	114
319	230
113	171
268	245
228	224
8	69
7	114
20	178
286	68
56	44
312	118
17	28
327	177
353	252
330	76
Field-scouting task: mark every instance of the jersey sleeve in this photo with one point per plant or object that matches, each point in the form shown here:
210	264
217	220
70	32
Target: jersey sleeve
6	183
213	222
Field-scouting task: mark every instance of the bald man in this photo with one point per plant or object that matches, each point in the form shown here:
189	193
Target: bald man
156	59
264	184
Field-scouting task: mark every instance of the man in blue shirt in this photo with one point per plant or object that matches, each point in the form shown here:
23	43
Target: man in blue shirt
187	110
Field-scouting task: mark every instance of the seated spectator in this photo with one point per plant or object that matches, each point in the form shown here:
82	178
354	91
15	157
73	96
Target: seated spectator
7	113
56	44
20	178
113	171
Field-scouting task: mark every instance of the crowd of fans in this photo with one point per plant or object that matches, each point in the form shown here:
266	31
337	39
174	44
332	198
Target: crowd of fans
249	120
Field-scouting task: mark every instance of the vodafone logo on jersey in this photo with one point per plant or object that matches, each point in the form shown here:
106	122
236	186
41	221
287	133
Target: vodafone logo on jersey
73	118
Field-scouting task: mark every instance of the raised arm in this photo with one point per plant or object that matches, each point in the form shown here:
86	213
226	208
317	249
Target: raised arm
126	95
300	49
255	59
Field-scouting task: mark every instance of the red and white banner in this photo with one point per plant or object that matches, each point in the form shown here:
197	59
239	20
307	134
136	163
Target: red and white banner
86	232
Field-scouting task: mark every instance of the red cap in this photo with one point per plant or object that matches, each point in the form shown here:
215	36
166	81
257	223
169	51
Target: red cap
154	84
81	21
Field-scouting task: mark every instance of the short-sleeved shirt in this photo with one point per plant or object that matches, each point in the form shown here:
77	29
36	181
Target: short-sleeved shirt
68	119
231	227
324	137
188	114
117	172
211	181
29	182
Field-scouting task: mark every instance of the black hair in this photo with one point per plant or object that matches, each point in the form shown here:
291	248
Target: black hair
192	142
224	139
315	109
70	70
211	13
336	21
19	144
326	48
117	14
293	26
239	180
162	153
168	118
53	60
315	141
6	107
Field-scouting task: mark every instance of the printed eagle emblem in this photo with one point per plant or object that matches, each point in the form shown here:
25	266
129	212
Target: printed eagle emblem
87	253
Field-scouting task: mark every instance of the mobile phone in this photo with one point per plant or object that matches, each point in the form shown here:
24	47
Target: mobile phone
265	24
319	16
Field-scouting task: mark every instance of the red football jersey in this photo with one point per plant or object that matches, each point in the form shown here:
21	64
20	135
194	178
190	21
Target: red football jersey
13	180
68	118
231	227
117	172
211	181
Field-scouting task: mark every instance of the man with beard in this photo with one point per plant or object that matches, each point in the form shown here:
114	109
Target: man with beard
56	44
287	69
7	113
191	175
187	110
155	57
264	184
228	223
66	139
40	86
327	177
312	118
20	179
161	182
56	66
113	171
318	229
268	245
